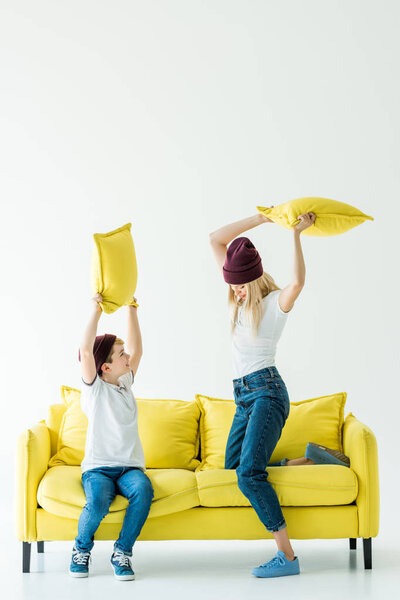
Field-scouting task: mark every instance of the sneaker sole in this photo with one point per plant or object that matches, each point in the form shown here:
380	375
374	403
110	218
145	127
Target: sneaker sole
275	575
334	453
124	577
78	574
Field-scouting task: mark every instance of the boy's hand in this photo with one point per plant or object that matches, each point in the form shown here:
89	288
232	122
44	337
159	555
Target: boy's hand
133	303
95	302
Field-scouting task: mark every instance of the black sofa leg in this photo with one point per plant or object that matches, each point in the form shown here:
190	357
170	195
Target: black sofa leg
26	557
40	547
367	553
353	543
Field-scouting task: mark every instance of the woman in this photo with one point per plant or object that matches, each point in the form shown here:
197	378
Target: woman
259	313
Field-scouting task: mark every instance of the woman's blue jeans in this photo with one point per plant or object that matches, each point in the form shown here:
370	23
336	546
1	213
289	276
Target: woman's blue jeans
262	407
101	486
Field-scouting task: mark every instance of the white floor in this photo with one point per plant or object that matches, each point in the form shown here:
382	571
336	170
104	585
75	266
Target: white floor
205	570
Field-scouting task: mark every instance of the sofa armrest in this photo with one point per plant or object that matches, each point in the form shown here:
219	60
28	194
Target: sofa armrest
33	455
359	444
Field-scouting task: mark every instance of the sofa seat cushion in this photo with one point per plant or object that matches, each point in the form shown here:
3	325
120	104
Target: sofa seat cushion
61	493
298	485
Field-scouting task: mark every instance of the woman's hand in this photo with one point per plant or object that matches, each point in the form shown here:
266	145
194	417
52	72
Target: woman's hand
265	219
95	302
306	220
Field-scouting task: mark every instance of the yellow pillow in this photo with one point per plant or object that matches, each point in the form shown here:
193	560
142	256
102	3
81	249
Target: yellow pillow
319	420
332	217
72	434
54	417
215	423
316	420
169	431
114	268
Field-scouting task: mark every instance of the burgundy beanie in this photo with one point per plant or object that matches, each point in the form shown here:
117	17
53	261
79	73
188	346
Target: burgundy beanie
101	349
242	262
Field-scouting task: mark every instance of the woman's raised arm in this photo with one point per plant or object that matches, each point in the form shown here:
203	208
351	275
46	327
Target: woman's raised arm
220	238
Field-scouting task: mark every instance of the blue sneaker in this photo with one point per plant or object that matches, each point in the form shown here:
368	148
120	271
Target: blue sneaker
278	567
79	566
321	455
122	566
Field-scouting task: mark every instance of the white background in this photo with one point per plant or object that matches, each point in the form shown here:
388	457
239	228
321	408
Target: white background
180	117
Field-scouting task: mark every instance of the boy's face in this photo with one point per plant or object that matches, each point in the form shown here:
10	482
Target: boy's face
120	361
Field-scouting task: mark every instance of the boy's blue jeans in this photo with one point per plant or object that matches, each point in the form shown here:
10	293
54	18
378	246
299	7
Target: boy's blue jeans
101	486
262	407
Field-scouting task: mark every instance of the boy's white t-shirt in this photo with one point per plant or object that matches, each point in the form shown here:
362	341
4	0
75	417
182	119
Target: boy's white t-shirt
251	354
112	438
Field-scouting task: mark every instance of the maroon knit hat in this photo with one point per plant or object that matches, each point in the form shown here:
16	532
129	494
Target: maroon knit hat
242	262
101	349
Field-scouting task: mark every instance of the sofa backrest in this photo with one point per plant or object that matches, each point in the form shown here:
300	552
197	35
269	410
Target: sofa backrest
168	429
193	435
317	420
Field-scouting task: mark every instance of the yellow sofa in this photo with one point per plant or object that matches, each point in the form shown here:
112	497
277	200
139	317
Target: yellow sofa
195	497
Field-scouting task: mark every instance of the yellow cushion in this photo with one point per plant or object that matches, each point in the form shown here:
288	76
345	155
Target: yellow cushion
72	434
114	268
316	420
332	217
304	485
54	417
61	493
215	423
168	430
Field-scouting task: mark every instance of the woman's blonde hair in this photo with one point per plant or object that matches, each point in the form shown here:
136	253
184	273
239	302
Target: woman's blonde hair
252	304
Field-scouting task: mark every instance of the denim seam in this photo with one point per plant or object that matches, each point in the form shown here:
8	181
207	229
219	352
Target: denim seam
280	526
259	389
251	481
117	547
266	386
258	495
283	399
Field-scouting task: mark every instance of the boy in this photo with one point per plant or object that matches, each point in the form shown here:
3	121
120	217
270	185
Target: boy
114	460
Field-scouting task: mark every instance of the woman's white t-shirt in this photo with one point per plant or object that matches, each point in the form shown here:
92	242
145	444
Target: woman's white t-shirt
112	438
251	354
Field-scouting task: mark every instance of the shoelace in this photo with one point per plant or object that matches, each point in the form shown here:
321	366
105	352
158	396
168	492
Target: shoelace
123	559
274	562
81	558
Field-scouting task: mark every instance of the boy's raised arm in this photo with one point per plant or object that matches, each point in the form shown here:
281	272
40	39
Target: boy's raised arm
134	341
87	343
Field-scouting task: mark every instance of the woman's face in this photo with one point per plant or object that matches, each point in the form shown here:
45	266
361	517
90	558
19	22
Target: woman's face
240	290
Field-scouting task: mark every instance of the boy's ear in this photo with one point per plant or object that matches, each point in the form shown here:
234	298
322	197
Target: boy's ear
105	368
